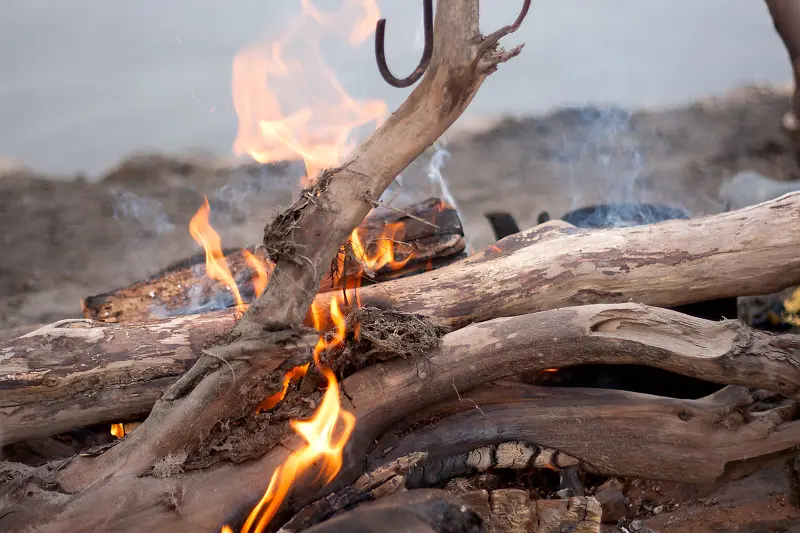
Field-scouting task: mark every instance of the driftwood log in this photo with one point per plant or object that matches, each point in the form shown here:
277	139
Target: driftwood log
55	375
206	449
427	235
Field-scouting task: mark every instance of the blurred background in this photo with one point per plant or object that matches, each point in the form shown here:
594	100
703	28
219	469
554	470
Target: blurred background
122	114
87	82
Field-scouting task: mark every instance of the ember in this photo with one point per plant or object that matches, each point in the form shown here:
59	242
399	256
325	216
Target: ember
318	432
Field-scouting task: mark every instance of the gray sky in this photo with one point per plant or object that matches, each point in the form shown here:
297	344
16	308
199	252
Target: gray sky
85	82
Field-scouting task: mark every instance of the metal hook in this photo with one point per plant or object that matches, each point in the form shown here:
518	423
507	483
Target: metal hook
380	55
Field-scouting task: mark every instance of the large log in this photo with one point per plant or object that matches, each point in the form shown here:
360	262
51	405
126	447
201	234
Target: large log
746	252
112	373
427	235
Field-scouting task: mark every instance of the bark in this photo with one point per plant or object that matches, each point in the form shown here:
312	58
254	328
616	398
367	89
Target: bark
746	252
76	373
99	377
429	234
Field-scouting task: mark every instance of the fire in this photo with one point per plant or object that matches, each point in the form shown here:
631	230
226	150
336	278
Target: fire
290	103
324	444
118	430
261	271
383	254
791	308
292	375
216	266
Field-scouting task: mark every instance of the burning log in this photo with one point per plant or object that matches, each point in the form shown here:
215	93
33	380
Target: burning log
746	252
103	382
424	236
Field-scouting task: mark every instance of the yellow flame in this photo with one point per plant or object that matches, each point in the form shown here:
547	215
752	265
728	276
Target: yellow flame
289	102
381	253
261	271
324	444
791	308
216	266
118	430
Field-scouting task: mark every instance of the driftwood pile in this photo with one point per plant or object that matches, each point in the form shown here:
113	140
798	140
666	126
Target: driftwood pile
433	365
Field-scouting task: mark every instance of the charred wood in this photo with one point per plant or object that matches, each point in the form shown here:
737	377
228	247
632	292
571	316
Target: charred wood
428	234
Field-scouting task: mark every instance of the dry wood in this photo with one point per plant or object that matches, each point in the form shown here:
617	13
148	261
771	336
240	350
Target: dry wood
620	433
745	252
429	234
98	378
622	333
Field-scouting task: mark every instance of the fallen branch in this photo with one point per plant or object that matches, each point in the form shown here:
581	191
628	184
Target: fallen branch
746	252
620	433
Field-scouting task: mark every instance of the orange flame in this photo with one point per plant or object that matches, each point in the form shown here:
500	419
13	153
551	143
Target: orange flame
382	252
289	102
261	270
323	442
216	266
118	430
292	375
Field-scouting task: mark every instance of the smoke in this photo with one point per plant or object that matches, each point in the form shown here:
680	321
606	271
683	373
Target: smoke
605	164
148	213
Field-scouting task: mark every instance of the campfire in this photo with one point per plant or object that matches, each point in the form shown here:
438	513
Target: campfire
359	371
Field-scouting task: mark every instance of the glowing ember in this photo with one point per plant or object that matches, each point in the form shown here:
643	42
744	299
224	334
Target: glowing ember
216	266
261	272
289	102
118	430
381	254
324	444
791	309
292	375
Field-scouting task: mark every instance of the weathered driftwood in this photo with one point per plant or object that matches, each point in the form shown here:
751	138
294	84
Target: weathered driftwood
697	441
69	382
426	235
744	252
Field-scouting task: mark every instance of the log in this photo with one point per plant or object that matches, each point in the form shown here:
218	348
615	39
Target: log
746	252
429	234
38	385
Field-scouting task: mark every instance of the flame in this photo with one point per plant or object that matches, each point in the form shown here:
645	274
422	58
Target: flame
289	102
292	375
261	270
118	430
216	266
791	308
324	445
383	254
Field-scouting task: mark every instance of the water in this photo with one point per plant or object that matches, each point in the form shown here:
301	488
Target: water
87	82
